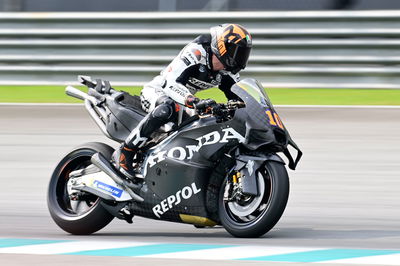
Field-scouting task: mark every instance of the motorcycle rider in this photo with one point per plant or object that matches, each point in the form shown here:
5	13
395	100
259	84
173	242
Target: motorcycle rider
209	60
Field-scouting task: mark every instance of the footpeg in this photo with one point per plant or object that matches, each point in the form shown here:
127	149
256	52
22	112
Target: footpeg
127	214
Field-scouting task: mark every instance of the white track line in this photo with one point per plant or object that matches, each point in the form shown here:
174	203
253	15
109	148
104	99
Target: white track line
393	259
231	253
213	253
68	247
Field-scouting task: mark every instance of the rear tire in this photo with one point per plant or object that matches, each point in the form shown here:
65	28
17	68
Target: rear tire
268	207
77	217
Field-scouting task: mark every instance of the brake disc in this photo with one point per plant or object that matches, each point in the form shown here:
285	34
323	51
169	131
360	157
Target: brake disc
253	205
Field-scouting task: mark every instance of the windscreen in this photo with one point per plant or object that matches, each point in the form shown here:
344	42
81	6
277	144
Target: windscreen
262	117
257	102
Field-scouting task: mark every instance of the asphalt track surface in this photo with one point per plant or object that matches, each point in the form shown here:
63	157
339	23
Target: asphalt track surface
345	193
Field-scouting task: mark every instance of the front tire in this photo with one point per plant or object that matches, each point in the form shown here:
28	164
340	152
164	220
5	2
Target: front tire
262	212
80	217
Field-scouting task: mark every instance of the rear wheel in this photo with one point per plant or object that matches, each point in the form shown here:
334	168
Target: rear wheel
77	216
253	216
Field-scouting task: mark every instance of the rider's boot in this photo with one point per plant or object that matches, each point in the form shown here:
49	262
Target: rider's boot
126	159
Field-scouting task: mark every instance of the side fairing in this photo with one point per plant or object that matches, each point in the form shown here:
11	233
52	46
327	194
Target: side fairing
177	170
197	144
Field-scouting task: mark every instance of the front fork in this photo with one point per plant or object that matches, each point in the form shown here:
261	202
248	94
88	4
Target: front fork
233	186
242	181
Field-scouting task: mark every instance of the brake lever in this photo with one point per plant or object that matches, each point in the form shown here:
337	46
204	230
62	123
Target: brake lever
99	86
87	81
235	104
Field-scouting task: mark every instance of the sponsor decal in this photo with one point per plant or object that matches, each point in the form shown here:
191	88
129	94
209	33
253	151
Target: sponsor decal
215	82
200	84
175	199
250	166
185	60
248	38
202	68
187	152
218	78
177	91
110	189
191	56
197	53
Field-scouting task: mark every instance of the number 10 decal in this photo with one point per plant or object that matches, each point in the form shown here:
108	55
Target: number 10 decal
274	119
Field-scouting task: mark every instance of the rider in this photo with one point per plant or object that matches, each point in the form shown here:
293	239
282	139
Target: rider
209	60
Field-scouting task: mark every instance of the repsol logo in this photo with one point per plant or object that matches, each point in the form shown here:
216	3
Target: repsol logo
186	153
173	200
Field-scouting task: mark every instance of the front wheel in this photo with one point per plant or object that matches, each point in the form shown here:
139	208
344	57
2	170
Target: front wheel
253	216
77	216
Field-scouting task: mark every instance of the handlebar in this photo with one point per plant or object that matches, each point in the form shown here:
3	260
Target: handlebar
74	92
221	111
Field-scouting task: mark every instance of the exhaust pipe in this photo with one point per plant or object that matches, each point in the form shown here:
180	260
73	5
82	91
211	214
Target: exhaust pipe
104	165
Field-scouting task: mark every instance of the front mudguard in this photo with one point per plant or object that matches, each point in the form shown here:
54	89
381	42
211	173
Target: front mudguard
248	166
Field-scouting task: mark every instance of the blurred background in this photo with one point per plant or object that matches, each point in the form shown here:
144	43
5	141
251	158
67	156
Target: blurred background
320	44
199	5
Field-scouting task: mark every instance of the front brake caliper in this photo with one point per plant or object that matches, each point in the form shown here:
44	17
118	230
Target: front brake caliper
233	187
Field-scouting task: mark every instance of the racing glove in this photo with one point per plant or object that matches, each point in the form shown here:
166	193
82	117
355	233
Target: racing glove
205	104
191	101
201	105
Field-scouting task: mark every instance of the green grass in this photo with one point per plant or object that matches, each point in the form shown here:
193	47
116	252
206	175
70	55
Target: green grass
56	94
41	94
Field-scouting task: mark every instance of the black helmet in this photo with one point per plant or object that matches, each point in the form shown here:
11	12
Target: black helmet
231	43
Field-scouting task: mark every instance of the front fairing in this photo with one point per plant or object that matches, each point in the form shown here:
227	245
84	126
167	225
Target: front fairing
264	128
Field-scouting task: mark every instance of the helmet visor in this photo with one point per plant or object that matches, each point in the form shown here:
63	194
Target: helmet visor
237	57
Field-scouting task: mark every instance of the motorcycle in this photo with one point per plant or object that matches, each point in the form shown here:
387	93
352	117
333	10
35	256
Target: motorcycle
217	167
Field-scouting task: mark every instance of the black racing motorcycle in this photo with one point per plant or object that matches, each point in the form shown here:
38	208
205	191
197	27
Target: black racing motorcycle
218	167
